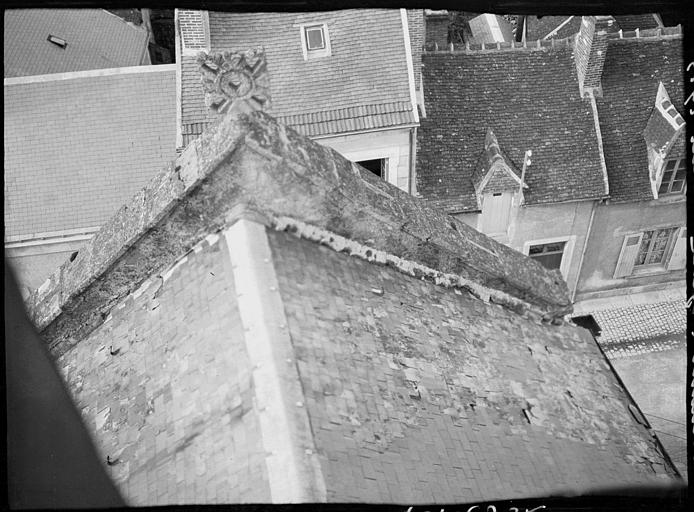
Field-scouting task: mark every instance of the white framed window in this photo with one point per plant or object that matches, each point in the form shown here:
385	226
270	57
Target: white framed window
655	250
552	253
315	40
378	166
674	177
387	158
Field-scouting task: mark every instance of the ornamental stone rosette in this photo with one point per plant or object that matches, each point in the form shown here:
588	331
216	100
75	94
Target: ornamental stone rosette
230	76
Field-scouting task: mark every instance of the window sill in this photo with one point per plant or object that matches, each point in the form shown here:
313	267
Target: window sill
649	271
671	198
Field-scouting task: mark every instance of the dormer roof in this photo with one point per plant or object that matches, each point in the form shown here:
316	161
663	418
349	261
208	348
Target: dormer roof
495	171
663	125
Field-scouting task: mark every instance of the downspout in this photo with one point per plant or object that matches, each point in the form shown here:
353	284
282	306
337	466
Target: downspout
583	251
411	181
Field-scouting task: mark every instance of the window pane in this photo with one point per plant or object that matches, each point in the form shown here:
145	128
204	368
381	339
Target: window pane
550	261
681	173
314	37
670	164
677	186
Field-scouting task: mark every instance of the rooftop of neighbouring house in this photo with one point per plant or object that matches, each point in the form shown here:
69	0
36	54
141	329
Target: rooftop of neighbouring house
559	27
530	99
362	85
77	146
429	303
83	39
633	69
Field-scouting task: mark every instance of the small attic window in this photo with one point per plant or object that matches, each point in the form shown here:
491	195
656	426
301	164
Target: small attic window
674	177
315	41
57	41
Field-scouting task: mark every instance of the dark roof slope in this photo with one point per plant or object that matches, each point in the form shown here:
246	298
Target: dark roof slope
95	38
633	68
362	85
530	98
640	21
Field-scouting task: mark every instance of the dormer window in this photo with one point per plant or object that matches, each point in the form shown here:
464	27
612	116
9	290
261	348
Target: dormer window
315	41
674	177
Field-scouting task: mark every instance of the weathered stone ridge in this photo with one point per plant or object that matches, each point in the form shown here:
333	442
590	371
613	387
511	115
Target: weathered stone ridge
418	393
165	387
251	160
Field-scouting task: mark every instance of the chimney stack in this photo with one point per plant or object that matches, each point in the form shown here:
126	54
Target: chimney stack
589	52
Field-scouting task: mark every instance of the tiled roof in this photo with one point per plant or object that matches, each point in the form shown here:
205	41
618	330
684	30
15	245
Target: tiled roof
261	273
76	149
366	71
633	69
640	21
530	99
95	38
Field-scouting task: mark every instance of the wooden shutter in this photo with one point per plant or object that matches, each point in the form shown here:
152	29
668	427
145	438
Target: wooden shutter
678	258
630	247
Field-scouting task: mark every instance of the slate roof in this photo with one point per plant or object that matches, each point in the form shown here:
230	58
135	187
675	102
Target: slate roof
362	85
530	99
76	149
96	39
640	21
631	74
412	380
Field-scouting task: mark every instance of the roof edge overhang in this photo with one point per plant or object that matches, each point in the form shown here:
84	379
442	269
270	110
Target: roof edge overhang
248	161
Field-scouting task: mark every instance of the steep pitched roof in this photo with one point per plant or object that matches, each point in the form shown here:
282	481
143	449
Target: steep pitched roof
530	99
369	322
324	190
76	148
633	69
95	38
362	85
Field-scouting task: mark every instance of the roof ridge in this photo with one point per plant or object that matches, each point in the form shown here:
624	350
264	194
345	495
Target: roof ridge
657	33
468	48
168	216
351	247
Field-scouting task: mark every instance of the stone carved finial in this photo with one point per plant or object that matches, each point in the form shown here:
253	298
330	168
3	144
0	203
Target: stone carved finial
230	77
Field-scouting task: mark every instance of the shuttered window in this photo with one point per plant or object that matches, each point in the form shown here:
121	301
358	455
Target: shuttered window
658	248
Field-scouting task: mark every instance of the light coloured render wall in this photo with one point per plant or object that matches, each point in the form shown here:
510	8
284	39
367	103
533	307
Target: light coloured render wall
538	224
550	223
391	144
612	222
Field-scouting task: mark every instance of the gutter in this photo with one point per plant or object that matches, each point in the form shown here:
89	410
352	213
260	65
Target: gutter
411	183
408	58
598	134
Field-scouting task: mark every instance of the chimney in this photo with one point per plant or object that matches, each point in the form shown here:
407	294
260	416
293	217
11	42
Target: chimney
193	31
589	52
436	28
